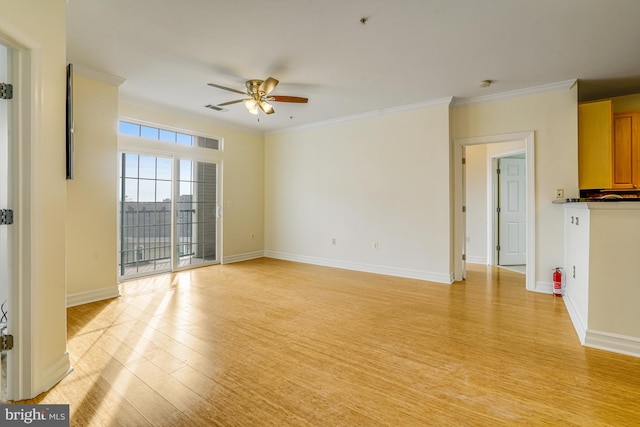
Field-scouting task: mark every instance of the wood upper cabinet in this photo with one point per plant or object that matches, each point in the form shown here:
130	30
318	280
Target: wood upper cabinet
595	135
626	150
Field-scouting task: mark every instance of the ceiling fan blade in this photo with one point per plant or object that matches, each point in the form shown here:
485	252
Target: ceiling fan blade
268	85
266	107
297	99
227	88
231	102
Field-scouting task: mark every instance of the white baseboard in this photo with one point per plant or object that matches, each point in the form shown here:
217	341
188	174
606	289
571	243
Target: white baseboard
578	324
616	343
92	296
367	268
544	287
242	257
477	259
54	372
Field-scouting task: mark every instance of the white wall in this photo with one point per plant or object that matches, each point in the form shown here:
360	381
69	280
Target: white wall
553	118
381	179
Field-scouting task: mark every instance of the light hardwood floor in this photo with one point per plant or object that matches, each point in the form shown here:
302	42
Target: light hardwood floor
270	342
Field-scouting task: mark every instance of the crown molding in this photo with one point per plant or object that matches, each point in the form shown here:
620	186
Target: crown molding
98	75
376	113
552	87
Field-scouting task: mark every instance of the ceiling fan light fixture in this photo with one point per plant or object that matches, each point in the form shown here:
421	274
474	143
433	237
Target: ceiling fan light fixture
257	96
252	106
266	107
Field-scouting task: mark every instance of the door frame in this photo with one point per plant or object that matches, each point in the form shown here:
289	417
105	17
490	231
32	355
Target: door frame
175	265
459	230
24	376
178	153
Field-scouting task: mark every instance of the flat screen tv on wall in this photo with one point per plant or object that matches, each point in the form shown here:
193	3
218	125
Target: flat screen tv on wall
69	124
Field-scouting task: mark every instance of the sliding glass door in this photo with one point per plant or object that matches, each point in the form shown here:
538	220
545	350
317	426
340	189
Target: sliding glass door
196	212
167	214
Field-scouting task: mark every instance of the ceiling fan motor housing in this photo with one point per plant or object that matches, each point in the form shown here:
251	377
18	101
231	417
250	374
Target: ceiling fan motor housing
253	87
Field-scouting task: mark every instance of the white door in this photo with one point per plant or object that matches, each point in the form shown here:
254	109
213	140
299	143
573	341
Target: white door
512	211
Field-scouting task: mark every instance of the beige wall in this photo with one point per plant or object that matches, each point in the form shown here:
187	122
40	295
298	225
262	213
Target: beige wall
379	179
242	177
39	25
476	202
613	285
92	194
553	118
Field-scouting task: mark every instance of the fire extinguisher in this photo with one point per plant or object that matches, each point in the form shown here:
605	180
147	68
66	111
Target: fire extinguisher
557	282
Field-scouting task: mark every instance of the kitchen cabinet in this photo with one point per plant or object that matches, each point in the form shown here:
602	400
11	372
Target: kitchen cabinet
626	150
595	134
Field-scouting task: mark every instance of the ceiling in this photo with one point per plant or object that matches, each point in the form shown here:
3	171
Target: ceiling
407	52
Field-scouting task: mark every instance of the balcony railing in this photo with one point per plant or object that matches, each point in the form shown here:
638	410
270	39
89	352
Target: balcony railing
145	233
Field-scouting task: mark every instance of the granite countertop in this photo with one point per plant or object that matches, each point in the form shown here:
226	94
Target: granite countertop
598	200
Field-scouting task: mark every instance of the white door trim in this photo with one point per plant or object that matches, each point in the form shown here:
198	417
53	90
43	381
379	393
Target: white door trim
24	376
459	226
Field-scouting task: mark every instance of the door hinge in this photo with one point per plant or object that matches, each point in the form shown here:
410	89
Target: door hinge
498	171
6	341
464	209
6	216
498	248
464	257
464	160
6	91
498	209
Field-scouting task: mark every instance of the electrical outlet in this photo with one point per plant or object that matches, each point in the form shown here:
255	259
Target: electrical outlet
375	245
333	241
559	193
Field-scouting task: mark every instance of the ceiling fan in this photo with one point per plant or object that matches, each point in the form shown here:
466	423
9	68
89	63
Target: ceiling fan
258	96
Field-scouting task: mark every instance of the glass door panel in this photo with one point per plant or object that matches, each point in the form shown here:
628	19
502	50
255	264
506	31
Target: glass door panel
196	216
145	215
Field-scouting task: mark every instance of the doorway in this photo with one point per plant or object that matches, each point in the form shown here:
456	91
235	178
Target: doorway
463	242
